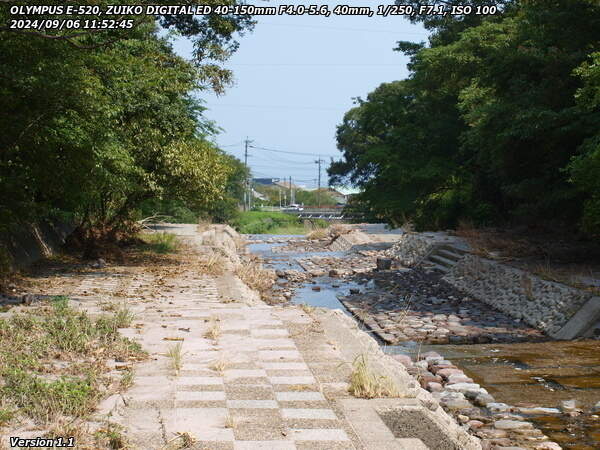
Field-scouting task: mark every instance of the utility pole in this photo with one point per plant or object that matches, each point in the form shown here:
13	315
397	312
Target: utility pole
319	161
247	192
291	192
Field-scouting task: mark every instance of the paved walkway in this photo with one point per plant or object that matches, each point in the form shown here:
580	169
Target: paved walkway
252	377
250	387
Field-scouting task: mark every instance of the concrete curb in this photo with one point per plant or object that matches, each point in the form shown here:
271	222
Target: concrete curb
353	342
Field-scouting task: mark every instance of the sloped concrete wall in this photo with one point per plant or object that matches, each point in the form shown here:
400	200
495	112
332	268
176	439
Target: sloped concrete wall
543	304
30	243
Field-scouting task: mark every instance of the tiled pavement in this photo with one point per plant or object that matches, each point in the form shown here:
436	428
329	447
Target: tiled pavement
268	381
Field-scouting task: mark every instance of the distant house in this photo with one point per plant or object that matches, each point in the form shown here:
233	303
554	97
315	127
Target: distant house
265	181
338	196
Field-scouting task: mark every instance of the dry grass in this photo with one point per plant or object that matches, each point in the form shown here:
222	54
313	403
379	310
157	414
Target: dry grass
219	365
488	244
319	233
211	263
229	422
176	355
214	329
181	441
307	308
255	276
365	383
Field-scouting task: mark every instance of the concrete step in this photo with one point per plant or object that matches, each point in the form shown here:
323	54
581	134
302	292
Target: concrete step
454	249
440	260
431	265
449	254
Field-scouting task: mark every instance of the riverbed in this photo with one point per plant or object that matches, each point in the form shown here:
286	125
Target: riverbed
520	374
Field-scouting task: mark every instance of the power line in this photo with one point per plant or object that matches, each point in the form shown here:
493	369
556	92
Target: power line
284	151
317	65
322	108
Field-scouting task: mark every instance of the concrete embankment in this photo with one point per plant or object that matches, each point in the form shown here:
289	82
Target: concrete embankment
560	311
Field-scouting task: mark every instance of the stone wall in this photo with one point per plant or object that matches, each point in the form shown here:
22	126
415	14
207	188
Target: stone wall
542	304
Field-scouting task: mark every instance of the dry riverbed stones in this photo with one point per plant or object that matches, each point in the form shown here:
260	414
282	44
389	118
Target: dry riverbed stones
418	305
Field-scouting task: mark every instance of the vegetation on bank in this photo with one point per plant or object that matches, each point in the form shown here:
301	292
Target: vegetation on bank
101	129
263	222
53	361
497	123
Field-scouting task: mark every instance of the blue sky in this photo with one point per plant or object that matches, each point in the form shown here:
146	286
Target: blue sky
295	77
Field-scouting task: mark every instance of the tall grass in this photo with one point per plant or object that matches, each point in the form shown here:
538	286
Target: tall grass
262	222
160	242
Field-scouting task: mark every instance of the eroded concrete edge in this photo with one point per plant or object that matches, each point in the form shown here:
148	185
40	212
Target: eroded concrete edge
353	342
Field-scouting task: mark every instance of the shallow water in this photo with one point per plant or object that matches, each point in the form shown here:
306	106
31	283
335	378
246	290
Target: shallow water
533	374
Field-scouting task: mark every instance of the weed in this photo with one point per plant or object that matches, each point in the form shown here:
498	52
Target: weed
112	436
160	242
320	233
364	383
123	316
182	440
255	276
32	343
212	263
6	415
219	365
214	330
229	422
307	308
126	380
176	356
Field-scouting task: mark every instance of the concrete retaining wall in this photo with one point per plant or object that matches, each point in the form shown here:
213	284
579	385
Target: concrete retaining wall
33	242
542	304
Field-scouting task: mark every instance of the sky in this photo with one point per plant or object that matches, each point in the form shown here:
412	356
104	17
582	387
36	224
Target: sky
295	77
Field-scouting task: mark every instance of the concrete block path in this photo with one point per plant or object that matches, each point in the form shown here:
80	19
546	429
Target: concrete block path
264	379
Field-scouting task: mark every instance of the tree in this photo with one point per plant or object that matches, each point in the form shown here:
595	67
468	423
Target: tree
91	133
488	125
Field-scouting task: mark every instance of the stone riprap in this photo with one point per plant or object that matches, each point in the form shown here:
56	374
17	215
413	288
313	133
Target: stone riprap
498	425
543	304
418	305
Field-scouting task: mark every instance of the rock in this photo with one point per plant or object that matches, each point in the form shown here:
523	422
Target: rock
474	424
462	419
333	273
456	378
384	263
568	405
463	387
422	364
316	288
445	373
548	446
98	264
404	360
511	425
497	407
538	410
433	386
354	291
28	299
596	408
456	404
489	433
431	354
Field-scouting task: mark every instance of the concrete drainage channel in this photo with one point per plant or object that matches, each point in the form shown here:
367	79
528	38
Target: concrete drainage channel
512	408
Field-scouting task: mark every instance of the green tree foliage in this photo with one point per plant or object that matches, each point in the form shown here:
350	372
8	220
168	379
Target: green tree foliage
96	124
498	120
